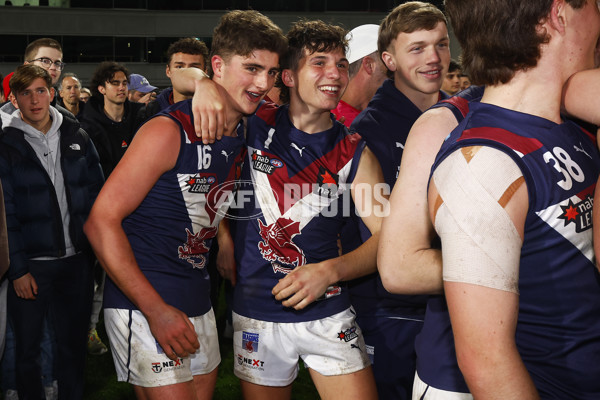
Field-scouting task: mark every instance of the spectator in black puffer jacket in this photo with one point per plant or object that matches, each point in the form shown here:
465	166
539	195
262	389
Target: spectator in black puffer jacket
51	176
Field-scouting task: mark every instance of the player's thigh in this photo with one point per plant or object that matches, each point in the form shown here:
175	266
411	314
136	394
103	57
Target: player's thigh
359	385
200	388
205	384
263	353
252	391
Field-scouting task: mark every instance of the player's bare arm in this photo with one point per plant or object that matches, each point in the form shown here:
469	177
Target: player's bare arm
580	96
159	141
481	269
406	261
208	104
225	257
308	282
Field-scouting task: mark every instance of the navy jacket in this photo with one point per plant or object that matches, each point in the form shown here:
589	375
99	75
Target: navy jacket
33	215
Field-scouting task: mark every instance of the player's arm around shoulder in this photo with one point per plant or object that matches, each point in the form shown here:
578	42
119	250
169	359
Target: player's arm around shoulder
478	203
580	96
406	261
208	102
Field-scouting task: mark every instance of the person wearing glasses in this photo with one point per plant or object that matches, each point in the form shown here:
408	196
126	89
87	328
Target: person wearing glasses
109	117
46	53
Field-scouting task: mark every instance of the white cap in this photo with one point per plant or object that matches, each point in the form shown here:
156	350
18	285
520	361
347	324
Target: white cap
362	41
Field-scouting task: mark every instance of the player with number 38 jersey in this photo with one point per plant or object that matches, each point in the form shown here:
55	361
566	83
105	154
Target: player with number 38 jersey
558	285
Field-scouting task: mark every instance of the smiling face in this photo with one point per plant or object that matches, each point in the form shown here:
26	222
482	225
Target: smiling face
319	81
34	103
246	79
419	60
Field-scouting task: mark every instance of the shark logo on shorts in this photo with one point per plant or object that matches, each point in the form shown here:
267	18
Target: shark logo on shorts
250	341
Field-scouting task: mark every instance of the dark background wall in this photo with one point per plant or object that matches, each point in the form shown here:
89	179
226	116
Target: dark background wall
138	32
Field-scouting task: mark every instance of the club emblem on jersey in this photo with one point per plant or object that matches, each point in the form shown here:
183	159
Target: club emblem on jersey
200	184
277	245
348	335
579	214
265	163
327	182
250	341
194	249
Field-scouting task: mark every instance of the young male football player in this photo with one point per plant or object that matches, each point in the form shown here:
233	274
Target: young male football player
289	302
518	270
414	44
156	217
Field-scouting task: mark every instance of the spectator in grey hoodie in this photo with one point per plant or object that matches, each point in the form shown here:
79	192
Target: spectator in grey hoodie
51	175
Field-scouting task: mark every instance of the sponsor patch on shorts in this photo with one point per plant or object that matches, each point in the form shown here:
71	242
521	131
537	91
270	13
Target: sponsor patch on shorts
348	335
250	362
250	341
167	366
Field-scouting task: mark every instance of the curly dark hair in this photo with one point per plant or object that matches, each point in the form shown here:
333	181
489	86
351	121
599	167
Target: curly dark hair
105	72
188	45
312	36
499	38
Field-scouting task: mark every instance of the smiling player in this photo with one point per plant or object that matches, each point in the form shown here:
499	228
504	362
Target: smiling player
157	215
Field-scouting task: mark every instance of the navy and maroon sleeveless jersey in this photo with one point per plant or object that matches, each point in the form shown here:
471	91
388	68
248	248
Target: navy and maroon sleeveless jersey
296	197
558	329
171	231
384	125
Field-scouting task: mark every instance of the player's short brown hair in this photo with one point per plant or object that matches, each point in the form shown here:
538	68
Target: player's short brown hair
499	38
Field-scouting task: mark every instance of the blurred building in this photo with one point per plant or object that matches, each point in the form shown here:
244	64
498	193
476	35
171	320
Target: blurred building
138	32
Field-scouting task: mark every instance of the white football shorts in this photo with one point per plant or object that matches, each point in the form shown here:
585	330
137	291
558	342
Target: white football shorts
267	353
140	360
